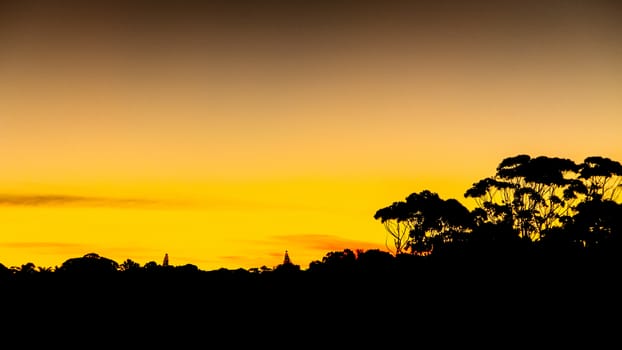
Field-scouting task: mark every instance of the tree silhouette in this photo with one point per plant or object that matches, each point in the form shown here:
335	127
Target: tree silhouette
602	178
335	262
398	223
89	264
436	221
534	194
450	264
426	219
596	223
129	265
152	266
28	268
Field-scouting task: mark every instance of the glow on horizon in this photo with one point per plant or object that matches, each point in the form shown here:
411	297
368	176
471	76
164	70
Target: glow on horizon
230	224
226	142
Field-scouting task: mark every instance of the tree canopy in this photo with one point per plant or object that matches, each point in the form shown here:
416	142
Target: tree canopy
544	199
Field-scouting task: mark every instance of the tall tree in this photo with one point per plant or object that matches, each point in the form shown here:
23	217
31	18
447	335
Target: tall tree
533	193
492	198
597	222
436	220
602	178
422	220
398	224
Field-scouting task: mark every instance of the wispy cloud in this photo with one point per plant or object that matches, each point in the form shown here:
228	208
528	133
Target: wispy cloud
57	200
208	203
303	248
326	242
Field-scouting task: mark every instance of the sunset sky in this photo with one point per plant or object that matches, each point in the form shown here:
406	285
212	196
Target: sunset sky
223	133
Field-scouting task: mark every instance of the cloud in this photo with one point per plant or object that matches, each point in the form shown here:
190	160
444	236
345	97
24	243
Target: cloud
303	248
63	200
57	200
326	243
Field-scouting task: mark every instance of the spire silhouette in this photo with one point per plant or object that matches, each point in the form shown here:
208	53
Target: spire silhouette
286	260
165	262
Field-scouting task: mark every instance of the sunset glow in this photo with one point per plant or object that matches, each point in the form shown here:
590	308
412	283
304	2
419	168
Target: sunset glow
223	135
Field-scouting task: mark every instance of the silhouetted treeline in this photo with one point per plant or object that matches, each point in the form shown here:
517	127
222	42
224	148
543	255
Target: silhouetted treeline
540	254
535	218
348	297
543	209
549	204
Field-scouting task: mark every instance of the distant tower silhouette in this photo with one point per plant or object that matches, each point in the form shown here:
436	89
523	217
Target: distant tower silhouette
286	260
165	262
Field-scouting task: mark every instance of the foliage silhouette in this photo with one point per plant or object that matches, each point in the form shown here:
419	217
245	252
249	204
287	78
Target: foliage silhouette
602	178
543	246
421	220
532	193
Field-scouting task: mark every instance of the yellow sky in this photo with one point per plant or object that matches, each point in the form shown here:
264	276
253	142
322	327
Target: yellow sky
225	135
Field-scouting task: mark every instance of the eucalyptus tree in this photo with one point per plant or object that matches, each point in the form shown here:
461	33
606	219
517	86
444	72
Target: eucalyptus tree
534	194
423	220
436	220
602	178
492	198
596	222
398	223
597	215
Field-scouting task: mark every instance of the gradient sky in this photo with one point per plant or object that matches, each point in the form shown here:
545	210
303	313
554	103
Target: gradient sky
226	132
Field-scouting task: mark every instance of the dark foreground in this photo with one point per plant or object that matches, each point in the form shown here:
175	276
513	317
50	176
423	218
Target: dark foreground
458	304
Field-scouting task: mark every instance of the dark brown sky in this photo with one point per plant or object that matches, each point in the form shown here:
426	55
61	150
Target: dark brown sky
304	24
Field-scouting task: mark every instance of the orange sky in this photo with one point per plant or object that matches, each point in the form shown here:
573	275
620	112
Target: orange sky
226	134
